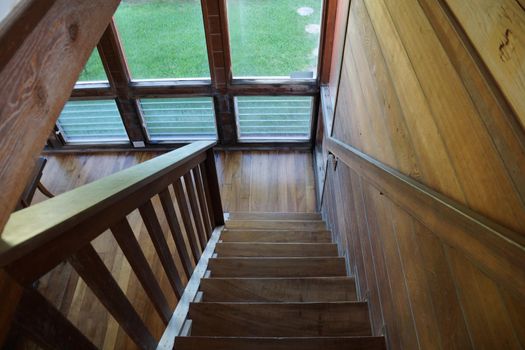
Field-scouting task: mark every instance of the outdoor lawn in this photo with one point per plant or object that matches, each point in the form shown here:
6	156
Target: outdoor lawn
165	38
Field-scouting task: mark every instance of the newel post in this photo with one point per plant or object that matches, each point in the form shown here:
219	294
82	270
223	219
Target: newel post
212	181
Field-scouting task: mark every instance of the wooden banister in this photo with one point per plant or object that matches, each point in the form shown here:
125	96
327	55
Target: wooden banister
497	250
38	238
43	222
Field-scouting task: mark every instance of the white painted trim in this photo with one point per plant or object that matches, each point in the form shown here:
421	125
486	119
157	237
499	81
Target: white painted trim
176	323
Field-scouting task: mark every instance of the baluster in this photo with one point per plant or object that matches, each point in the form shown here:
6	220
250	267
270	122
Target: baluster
190	189
10	294
91	268
202	200
131	249
186	219
37	319
202	170
210	176
176	231
161	246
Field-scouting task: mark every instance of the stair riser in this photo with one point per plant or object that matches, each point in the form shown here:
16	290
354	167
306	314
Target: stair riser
280	320
276	237
278	290
227	249
342	343
277	267
275	225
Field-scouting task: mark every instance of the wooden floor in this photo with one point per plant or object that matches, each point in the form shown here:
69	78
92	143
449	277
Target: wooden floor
279	181
250	181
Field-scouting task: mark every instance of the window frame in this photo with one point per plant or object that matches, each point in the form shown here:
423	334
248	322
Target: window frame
221	86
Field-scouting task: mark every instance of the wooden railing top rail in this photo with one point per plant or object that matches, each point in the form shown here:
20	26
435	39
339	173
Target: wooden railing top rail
497	250
34	226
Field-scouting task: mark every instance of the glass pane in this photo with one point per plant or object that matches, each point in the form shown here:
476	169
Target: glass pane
274	38
274	117
163	38
179	118
93	70
91	121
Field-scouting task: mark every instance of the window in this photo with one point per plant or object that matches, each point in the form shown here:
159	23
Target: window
273	117
274	38
179	118
163	38
93	70
91	121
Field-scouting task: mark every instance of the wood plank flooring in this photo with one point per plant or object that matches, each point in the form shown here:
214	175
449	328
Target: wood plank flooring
250	182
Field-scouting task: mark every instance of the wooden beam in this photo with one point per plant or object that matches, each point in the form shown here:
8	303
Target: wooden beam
114	61
218	44
37	77
327	40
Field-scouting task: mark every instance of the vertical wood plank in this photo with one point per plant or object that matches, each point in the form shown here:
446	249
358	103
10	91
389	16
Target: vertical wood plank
91	268
147	212
176	231
488	320
213	186
186	219
202	201
197	218
131	249
10	294
452	327
45	325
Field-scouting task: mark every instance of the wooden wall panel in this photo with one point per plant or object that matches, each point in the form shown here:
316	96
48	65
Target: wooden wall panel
423	294
430	88
497	31
413	101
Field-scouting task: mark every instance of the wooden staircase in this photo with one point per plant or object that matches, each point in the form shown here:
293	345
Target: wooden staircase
275	281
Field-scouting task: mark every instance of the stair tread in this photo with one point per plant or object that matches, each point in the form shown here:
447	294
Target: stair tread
270	249
276	224
277	267
273	216
276	236
303	289
280	343
279	319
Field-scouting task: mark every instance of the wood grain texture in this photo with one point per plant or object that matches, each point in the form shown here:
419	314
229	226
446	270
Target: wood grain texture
308	289
37	81
91	268
250	249
258	181
74	299
276	236
295	225
429	89
277	267
279	319
497	31
302	343
423	104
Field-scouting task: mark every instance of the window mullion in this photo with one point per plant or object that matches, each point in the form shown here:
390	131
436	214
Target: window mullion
114	61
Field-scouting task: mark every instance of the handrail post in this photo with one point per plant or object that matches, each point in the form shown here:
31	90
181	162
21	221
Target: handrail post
213	187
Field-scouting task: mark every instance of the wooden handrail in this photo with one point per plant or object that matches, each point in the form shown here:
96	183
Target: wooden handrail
42	222
38	238
497	250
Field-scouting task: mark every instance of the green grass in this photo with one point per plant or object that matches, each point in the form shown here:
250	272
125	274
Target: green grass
165	38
